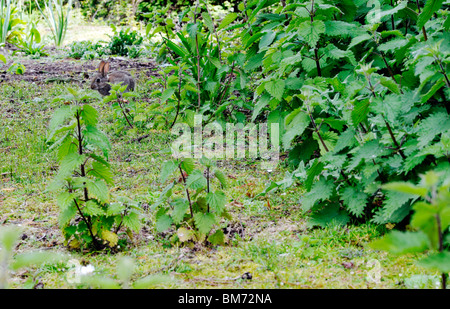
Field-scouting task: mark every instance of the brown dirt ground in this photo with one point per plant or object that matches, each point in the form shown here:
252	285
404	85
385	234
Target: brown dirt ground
57	68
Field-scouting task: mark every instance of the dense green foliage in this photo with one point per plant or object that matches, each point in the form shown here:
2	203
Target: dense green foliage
358	90
83	176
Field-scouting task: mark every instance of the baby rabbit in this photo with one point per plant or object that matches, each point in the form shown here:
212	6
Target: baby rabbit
103	79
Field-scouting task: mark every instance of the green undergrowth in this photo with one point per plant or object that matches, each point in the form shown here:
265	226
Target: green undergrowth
270	244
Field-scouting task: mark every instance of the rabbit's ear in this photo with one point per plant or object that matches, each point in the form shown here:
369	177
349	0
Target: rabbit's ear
101	67
106	68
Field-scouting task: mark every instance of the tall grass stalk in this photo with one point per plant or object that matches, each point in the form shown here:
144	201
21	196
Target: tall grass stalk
57	18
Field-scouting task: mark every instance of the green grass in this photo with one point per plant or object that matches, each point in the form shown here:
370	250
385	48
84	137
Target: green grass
277	248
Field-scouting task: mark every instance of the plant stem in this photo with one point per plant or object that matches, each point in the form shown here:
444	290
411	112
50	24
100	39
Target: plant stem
187	191
198	59
392	17
178	97
441	248
316	129
423	28
119	100
387	124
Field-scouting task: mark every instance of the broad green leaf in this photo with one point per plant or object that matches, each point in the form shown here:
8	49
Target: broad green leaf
311	32
431	6
227	20
355	200
196	180
168	168
218	238
360	111
98	190
167	94
204	222
406	187
69	164
320	191
267	39
188	165
180	207
390	84
163	222
132	221
102	171
89	115
397	242
439	261
216	201
91	208
221	177
275	88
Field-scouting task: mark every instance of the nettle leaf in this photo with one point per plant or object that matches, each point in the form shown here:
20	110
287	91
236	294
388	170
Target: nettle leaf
355	200
132	221
163	221
196	180
227	20
320	191
275	88
168	168
218	238
346	139
91	208
89	115
267	39
390	84
216	201
360	111
188	165
329	138
295	123
70	163
115	208
98	190
65	200
431	6
439	261
180	207
395	207
311	31
221	177
167	94
433	125
102	171
204	221
97	138
60	116
331	215
397	242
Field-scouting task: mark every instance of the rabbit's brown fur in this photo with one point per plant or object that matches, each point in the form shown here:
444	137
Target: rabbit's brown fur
102	80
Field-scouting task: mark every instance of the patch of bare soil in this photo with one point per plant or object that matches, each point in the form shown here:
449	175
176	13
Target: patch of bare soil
57	68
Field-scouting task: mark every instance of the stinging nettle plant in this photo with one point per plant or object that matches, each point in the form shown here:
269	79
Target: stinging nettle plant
196	216
430	221
88	216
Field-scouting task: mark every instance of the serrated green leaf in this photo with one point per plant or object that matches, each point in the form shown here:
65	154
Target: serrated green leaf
218	238
311	31
227	20
180	207
354	199
320	191
91	208
98	190
132	221
431	6
397	242
275	88
204	222
196	180
216	201
168	168
439	261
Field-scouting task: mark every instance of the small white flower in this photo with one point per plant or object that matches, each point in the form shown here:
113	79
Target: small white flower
86	270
